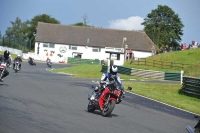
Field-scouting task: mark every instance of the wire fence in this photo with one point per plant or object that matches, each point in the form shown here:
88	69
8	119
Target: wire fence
16	43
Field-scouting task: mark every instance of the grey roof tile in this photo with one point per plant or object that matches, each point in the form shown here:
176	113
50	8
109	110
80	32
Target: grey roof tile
98	37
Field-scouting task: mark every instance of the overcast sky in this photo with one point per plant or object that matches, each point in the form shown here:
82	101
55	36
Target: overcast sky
114	14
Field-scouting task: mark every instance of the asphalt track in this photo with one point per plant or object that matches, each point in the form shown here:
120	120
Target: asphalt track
35	100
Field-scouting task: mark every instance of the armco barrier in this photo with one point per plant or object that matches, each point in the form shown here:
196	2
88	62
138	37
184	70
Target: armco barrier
146	73
82	61
122	70
172	76
191	86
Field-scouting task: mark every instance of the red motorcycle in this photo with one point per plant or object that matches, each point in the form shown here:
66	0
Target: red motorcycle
2	68
105	98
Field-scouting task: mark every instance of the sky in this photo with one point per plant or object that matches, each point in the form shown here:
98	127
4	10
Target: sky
111	14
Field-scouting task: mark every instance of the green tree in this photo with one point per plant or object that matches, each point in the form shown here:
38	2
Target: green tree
163	26
17	30
79	24
33	25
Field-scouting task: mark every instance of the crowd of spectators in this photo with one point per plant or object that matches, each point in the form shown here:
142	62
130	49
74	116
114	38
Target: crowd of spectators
182	46
193	45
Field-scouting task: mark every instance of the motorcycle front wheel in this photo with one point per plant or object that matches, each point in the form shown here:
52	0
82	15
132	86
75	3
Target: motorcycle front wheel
197	130
90	107
108	108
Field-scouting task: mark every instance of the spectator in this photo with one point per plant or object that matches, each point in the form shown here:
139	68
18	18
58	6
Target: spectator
133	57
179	48
181	45
152	50
130	54
184	46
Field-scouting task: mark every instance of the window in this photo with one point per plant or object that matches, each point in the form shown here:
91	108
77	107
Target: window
45	45
113	56
74	48
95	50
70	46
51	45
119	49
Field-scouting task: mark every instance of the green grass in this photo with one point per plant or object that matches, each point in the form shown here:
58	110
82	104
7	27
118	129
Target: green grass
185	56
88	71
166	93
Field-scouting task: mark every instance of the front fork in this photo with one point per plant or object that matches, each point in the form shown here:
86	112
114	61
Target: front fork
105	105
2	72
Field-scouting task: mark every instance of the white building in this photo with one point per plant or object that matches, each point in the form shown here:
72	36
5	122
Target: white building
53	40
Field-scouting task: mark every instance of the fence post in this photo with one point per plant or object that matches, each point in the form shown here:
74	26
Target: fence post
108	65
182	72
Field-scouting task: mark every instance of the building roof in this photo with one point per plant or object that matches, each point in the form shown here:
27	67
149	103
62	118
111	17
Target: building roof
91	36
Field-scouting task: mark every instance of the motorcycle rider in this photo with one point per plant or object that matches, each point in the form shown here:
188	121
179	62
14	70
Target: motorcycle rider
9	61
6	55
31	60
17	59
48	60
107	77
5	73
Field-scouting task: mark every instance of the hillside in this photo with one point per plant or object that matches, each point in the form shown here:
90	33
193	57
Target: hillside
190	57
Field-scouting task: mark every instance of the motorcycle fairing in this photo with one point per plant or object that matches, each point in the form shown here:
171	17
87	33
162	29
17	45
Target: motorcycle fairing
102	98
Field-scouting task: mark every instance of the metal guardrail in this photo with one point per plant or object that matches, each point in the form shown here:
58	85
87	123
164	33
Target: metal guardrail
147	73
82	61
191	86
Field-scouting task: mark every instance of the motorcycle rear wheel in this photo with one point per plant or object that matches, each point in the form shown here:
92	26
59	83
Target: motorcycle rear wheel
91	107
108	109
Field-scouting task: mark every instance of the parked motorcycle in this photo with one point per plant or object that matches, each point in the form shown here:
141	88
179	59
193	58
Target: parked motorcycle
16	68
105	98
31	61
196	128
2	68
49	64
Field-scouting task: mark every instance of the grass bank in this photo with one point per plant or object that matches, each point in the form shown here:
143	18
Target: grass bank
184	57
166	93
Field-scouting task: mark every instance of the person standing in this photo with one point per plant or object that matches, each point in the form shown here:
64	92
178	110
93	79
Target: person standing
152	50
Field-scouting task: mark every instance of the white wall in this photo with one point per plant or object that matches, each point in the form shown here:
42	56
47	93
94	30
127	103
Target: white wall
86	51
140	54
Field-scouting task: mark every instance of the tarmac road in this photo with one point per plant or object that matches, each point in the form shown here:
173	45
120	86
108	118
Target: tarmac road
35	100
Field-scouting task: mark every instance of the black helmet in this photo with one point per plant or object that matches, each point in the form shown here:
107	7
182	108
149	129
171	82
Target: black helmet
113	69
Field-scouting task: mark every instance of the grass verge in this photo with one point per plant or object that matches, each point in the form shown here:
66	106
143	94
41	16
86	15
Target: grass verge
166	93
